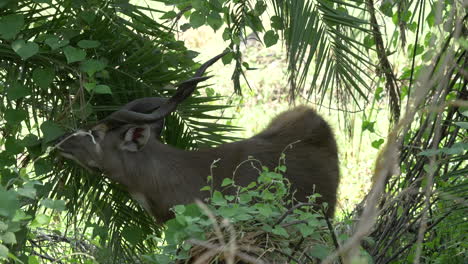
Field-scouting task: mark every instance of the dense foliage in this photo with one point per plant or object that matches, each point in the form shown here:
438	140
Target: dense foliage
65	64
260	219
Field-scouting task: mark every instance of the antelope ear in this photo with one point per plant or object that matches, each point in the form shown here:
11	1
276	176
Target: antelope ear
136	138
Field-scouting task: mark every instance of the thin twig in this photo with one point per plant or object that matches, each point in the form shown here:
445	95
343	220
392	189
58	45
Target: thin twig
333	235
290	210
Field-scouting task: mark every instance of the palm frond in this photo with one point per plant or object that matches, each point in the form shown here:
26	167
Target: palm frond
324	38
141	58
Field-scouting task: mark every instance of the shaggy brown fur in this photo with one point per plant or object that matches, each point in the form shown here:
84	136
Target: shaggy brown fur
161	176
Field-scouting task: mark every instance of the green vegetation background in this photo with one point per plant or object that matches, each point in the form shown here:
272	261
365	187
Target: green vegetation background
68	63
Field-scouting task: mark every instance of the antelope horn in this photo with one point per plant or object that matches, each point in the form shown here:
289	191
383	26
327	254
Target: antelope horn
184	90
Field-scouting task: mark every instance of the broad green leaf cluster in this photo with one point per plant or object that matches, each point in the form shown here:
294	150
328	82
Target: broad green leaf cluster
66	64
261	214
63	65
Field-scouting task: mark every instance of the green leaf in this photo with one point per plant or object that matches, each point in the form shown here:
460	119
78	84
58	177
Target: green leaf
33	260
40	220
377	143
305	230
264	210
242	217
3	251
10	26
179	209
226	34
320	251
430	39
254	22
210	91
402	16
17	91
12	146
413	26
27	190
215	21
41	167
457	149
51	131
197	19
369	41
367	125
132	234
205	188
185	27
43	77
245	198
89	87
277	23
3	226
430	19
29	140
15	116
88	44
228	212
278	230
92	66
8	238
386	8
58	205
218	199
25	49
55	43
270	38
463	43
88	16
169	15
462	124
198	4
282	168
102	89
428	55
251	185
226	182
259	8
266	228
226	59
429	152
273	175
411	50
74	54
216	5
230	198
9	203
